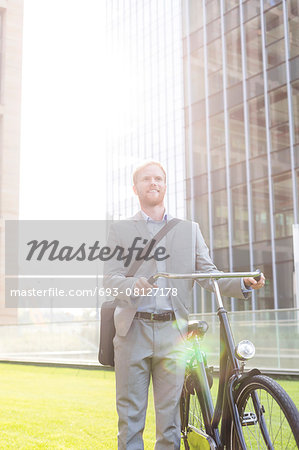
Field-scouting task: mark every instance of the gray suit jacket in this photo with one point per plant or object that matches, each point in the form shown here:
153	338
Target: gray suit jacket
187	253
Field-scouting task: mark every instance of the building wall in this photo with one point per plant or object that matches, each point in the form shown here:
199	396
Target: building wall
241	76
144	42
11	21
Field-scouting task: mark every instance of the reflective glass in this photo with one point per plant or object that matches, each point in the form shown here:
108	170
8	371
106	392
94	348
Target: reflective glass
212	9
218	179
279	119
237	135
196	40
260	207
195	15
284	274
201	215
220	236
218	157
259	167
217	134
278	106
229	4
275	53
293	11
214	52
232	19
240	215
280	161
258	138
213	30
280	137
199	147
197	76
295	90
220	228
234	57
254	47
251	8
283	205
274	24
276	76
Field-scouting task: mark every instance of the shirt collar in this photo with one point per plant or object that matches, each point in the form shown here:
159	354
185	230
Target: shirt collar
149	219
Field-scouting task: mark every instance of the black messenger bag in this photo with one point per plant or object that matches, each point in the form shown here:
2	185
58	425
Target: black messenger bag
107	327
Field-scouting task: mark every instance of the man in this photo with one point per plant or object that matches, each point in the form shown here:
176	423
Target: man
150	329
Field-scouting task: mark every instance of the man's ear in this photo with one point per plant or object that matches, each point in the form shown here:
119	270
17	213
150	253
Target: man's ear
134	189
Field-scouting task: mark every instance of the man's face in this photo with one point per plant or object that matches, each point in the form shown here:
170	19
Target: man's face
150	186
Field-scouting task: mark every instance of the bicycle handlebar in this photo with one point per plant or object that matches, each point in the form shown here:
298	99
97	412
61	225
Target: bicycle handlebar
202	275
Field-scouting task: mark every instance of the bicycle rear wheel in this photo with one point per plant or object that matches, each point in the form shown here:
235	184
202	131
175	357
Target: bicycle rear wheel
268	416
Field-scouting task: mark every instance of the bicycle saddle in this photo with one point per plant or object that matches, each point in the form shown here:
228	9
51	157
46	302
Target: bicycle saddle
199	327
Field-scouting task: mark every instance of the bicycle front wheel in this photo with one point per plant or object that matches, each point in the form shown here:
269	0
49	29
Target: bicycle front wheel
268	416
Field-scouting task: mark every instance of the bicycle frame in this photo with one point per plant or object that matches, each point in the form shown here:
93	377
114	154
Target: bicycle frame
230	373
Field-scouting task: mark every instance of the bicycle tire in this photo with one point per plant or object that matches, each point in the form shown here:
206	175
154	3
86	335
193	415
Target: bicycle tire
276	410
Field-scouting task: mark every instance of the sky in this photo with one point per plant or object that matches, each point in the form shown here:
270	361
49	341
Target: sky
64	110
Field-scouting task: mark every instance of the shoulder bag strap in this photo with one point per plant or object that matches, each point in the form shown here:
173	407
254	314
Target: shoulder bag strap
157	238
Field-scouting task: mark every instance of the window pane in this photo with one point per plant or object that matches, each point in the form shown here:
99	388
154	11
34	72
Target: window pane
275	53
237	138
212	9
279	118
197	76
258	139
254	47
261	216
218	157
251	9
278	106
293	9
274	24
284	273
233	57
215	66
217	135
199	148
195	14
283	205
202	215
220	230
240	215
229	4
213	30
280	137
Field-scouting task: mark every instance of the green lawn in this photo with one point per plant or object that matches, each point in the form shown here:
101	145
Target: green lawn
53	408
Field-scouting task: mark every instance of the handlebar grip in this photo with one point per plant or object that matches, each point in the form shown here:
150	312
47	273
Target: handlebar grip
151	280
257	278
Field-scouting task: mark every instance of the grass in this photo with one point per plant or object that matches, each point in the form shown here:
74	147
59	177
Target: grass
61	408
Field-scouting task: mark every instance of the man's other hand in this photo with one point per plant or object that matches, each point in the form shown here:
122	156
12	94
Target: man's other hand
142	283
251	283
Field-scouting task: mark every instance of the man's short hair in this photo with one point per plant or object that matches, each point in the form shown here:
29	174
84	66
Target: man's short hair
145	164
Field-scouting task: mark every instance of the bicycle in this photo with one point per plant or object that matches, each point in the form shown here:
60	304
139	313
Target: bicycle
251	411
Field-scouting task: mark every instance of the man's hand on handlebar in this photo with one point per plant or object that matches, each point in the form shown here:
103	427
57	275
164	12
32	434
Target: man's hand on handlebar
254	284
142	283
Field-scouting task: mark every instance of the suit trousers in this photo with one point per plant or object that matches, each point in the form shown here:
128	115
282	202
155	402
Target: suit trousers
150	349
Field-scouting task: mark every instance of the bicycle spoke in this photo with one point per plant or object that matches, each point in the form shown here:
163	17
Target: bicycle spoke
266	424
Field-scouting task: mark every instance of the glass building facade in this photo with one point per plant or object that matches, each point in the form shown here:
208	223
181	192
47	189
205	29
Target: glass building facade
144	40
211	89
241	79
